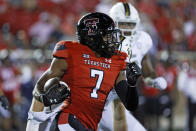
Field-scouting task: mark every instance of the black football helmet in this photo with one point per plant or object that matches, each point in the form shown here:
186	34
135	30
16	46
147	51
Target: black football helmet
98	32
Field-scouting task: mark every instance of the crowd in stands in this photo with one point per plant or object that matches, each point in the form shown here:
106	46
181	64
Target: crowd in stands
29	30
28	24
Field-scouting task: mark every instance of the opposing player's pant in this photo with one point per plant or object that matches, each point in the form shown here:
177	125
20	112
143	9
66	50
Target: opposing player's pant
106	123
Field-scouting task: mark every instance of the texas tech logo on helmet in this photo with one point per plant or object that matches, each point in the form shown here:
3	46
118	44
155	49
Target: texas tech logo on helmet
92	25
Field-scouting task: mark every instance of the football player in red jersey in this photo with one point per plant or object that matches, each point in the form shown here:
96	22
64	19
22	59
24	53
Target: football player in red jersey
91	68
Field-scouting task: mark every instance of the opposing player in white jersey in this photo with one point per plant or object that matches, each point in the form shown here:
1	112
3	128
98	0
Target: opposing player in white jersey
136	44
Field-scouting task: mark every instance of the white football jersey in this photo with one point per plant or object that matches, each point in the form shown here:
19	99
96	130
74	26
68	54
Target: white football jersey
138	47
136	50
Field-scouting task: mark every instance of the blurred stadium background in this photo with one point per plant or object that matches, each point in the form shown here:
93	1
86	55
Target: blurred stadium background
29	30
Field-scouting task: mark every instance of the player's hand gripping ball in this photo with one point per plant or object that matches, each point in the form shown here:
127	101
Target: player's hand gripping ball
55	92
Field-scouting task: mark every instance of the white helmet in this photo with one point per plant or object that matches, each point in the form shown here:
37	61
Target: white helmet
127	14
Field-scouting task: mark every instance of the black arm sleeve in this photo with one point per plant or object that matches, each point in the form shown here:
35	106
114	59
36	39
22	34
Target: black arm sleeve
128	95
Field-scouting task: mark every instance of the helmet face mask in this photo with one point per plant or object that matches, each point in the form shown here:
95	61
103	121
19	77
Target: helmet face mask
126	28
126	18
112	40
98	32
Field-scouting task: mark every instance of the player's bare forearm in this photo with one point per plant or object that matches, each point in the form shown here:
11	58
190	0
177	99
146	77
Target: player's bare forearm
56	69
147	68
150	77
36	106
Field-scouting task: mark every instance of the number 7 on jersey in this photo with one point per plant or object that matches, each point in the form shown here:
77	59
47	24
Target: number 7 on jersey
93	74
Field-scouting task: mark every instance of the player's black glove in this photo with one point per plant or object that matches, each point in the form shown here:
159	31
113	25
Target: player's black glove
56	94
133	72
5	102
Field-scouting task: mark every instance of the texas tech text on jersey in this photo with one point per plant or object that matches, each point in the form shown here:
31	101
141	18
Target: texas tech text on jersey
96	63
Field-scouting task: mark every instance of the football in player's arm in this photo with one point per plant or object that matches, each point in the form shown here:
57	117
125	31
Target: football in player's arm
102	67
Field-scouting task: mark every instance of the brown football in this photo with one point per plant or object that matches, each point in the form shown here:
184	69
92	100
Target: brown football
51	83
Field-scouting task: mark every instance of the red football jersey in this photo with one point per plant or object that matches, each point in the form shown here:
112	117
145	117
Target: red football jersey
90	79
